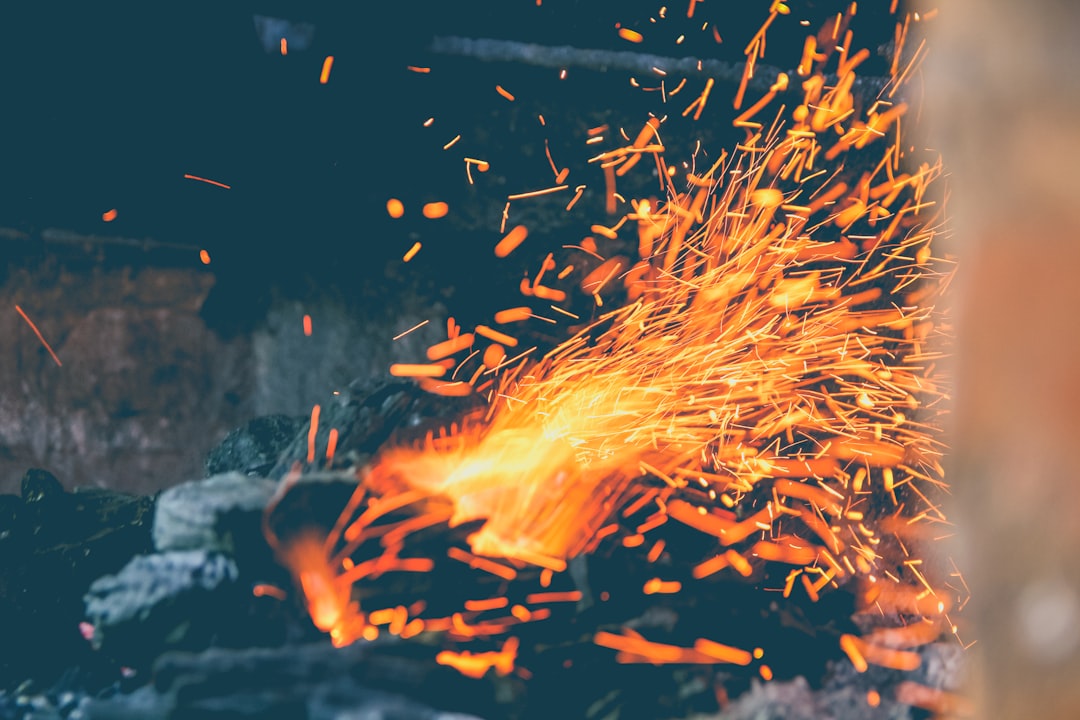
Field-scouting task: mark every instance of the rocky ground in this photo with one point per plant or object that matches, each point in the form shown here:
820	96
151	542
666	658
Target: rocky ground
117	605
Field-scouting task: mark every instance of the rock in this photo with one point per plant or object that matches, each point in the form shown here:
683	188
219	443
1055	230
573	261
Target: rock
209	514
40	486
254	448
52	545
10	509
315	681
176	599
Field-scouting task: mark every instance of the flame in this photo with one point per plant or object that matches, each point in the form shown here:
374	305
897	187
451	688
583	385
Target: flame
740	357
770	380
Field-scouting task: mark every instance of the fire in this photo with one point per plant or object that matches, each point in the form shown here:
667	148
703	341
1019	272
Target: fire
769	379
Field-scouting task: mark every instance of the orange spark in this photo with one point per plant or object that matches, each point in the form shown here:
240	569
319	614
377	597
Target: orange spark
324	75
435	210
417	326
265	590
764	381
508	244
476	665
495	335
208	182
40	337
536	193
416	370
515	314
313	430
448	347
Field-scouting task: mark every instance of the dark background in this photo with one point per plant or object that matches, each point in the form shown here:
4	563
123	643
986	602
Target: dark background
108	106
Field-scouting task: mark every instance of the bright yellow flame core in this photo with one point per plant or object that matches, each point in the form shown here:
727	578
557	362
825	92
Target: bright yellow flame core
738	354
542	472
765	345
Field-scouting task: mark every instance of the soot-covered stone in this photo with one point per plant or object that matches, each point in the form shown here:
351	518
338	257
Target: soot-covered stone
208	514
254	448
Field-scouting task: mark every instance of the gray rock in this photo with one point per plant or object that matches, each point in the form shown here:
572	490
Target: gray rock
254	448
190	516
159	601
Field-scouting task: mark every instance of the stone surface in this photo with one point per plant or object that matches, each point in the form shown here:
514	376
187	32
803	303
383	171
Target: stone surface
159	601
144	387
52	545
148	383
207	514
254	448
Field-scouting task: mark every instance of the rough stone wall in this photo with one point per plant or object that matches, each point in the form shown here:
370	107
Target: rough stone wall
1002	98
144	387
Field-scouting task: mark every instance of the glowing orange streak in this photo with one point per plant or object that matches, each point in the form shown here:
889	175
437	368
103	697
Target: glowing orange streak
208	182
510	315
636	649
265	590
449	347
811	493
40	337
414	370
313	430
785	553
723	653
656	586
553	597
488	604
331	446
377	509
537	193
476	665
508	244
496	336
749	339
479	563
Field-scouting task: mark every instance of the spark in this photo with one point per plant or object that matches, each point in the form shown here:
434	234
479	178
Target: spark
207	181
765	382
536	193
435	210
417	326
511	241
40	337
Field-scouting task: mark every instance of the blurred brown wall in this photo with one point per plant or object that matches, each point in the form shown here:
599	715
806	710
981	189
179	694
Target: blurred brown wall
1003	95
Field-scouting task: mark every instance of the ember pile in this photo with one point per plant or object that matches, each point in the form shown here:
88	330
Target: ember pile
694	469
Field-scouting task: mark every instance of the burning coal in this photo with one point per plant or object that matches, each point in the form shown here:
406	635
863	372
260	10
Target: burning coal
762	370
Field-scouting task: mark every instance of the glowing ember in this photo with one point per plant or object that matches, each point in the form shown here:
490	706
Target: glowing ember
768	380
